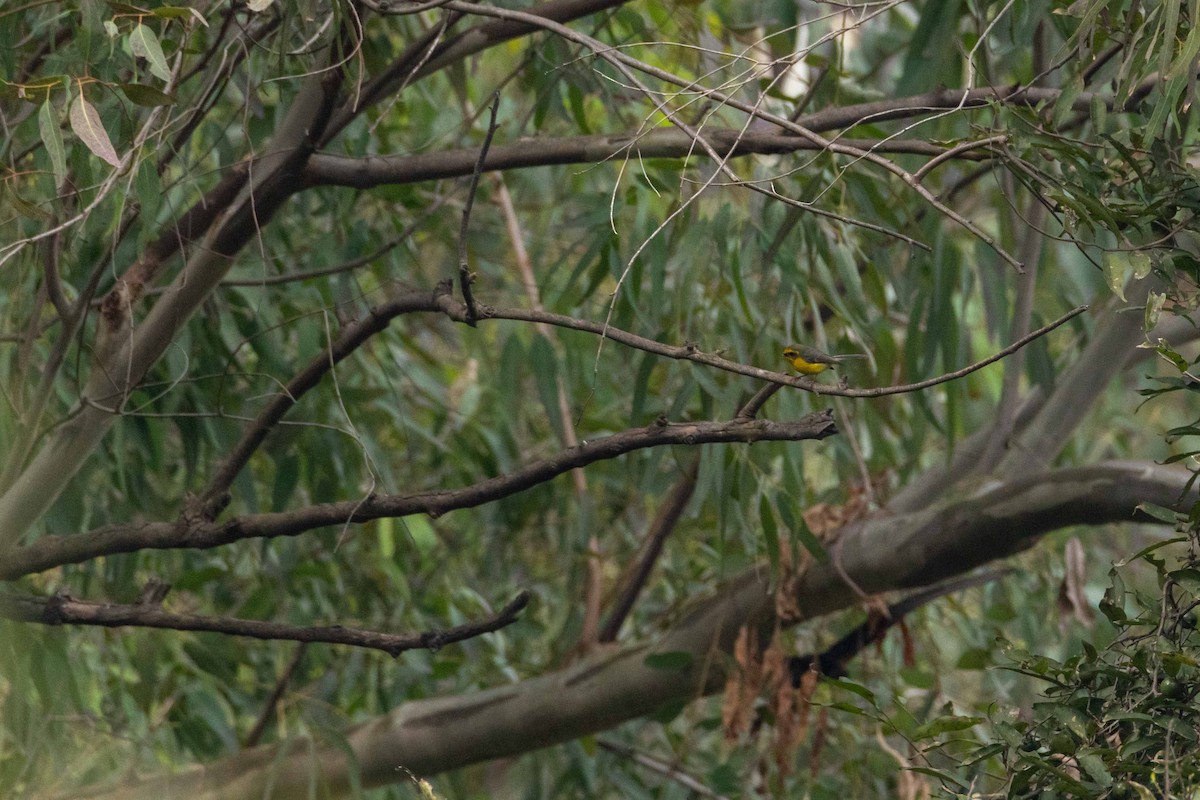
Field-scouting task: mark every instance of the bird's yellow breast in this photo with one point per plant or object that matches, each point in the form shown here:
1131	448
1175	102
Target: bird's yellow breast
801	365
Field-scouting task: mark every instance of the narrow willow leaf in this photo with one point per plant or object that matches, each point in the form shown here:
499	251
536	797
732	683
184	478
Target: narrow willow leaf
174	12
52	138
85	121
143	95
144	44
24	207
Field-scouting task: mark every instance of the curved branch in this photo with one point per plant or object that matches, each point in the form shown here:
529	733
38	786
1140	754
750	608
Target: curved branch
430	54
52	551
690	352
349	339
327	169
611	687
213	499
64	610
123	356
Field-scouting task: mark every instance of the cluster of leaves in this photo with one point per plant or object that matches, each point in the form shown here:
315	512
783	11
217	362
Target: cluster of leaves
1120	721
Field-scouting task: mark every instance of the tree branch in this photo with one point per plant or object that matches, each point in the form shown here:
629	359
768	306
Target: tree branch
124	358
465	278
52	551
690	352
328	169
264	718
64	610
611	687
656	536
429	54
214	498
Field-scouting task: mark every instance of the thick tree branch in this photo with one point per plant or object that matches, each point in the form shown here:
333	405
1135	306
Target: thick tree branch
610	687
832	661
1112	345
124	356
64	610
52	551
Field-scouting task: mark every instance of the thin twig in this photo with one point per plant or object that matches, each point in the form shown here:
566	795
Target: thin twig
664	523
956	151
349	339
692	353
465	278
751	408
264	718
63	610
390	9
664	768
624	63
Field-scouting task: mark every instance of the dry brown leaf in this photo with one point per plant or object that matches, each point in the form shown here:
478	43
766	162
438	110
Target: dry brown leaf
742	685
1071	597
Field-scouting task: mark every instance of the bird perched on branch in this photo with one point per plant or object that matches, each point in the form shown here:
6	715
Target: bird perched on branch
811	361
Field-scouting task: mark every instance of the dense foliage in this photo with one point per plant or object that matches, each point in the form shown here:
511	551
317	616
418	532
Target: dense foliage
215	211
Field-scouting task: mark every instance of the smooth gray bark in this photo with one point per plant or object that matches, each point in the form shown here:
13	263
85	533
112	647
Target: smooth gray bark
614	685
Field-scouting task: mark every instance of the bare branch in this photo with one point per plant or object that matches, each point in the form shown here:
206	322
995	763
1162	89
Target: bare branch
656	536
349	339
832	660
430	54
615	685
465	278
328	169
692	353
626	63
64	610
264	718
52	551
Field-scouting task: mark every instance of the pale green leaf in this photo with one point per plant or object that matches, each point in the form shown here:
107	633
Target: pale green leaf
85	121
144	44
52	138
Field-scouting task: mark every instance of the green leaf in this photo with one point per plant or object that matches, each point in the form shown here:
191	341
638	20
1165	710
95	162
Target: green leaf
175	12
943	725
143	43
544	364
975	658
143	95
1154	306
85	121
420	532
52	138
851	686
1117	269
1094	766
766	517
1159	513
672	661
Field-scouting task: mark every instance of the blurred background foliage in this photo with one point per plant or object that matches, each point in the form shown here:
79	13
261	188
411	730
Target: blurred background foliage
661	247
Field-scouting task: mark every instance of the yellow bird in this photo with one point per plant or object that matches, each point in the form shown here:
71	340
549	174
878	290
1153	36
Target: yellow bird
811	361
